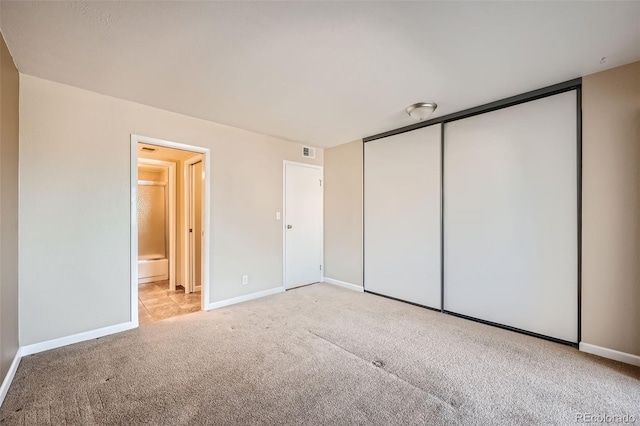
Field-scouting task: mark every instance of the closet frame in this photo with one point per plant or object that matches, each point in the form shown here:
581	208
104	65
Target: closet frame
556	89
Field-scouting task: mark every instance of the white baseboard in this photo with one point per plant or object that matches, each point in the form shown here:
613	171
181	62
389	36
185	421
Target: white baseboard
245	298
350	286
9	377
75	338
610	353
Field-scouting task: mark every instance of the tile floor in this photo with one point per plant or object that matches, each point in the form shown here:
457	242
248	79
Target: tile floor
156	302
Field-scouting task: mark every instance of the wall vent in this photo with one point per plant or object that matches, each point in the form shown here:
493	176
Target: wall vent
308	152
148	149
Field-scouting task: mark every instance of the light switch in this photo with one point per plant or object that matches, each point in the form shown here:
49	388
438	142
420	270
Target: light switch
277	215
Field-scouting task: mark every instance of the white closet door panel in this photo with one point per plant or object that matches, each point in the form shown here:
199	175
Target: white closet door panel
402	216
511	216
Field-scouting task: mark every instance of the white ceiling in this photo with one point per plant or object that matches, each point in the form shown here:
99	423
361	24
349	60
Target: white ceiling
321	73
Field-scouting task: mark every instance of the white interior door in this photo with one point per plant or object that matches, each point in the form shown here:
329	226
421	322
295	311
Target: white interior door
303	224
195	227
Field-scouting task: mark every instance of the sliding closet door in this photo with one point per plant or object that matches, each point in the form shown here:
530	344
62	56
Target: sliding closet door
402	216
511	216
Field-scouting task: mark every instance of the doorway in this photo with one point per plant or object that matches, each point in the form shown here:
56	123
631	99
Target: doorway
170	193
156	221
303	215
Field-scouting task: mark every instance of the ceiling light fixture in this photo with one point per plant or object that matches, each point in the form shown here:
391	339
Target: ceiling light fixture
421	110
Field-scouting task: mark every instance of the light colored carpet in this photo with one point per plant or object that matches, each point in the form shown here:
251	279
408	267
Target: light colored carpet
318	355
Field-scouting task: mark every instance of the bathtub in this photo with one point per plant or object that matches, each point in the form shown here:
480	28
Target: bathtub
152	268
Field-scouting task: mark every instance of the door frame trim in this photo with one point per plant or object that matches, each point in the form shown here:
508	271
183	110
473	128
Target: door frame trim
206	154
284	218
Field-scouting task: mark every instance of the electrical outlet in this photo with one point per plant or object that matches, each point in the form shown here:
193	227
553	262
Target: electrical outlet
245	279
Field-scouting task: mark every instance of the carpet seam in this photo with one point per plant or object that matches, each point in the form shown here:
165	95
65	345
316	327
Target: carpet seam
387	372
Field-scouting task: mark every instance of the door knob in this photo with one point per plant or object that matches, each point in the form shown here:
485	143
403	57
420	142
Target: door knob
289	226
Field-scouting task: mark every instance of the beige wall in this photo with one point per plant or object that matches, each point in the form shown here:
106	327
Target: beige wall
75	166
9	89
343	212
146	173
611	209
